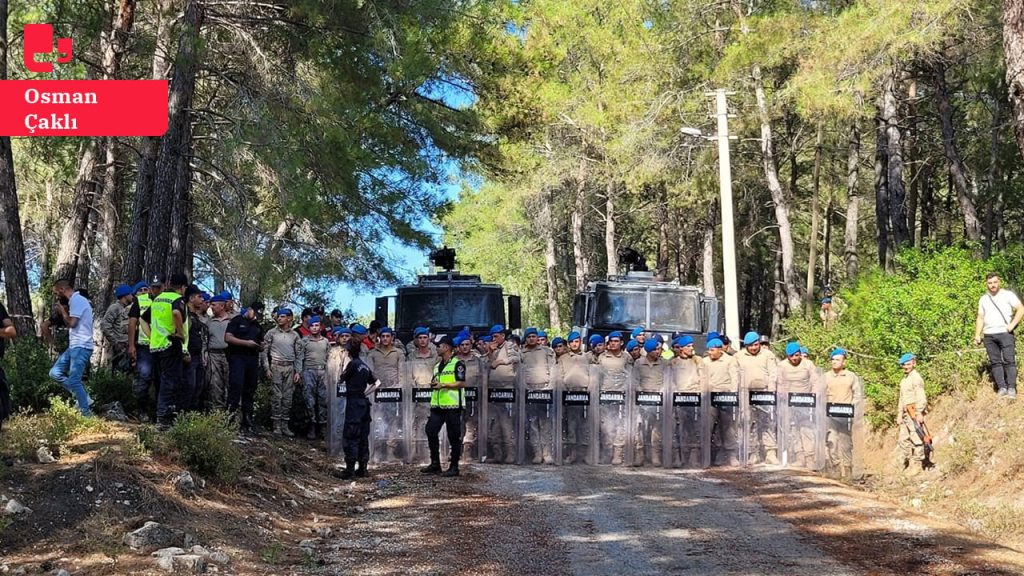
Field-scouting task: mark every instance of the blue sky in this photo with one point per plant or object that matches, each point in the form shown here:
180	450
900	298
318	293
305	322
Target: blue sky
411	260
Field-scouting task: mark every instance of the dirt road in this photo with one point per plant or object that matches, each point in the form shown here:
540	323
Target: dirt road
597	521
628	521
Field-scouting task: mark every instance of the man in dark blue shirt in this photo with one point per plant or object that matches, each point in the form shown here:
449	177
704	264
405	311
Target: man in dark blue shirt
244	337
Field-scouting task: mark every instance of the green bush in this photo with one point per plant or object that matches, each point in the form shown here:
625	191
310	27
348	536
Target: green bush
106	386
25	432
27	364
66	422
206	444
927	306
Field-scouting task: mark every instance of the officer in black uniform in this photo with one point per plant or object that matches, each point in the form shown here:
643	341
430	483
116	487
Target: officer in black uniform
359	383
244	337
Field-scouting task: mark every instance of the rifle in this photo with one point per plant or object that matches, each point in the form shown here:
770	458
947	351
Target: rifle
922	432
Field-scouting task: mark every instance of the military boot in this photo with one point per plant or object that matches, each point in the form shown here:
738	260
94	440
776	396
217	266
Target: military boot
361	471
453	469
311	434
770	457
656	456
617	452
277	428
845	472
349	471
433	468
913	469
510	454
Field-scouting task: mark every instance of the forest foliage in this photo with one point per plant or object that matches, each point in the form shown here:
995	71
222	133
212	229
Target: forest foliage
875	141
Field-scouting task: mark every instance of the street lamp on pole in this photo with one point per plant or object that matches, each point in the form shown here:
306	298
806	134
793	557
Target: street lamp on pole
732	311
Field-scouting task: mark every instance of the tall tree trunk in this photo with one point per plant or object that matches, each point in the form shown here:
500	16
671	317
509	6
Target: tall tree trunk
852	203
708	269
882	192
778	197
149	149
826	252
610	247
779	297
662	208
913	162
995	191
894	176
956	164
812	242
579	210
83	272
72	239
927	203
12	245
1013	51
550	261
123	18
172	149
180	257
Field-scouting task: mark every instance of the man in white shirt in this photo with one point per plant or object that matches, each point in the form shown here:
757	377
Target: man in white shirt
71	365
999	312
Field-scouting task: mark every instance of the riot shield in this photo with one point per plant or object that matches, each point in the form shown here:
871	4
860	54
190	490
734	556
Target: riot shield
612	415
760	421
844	436
724	421
801	430
573	444
648	414
336	418
537	440
471	439
502	416
421	372
388	438
688	444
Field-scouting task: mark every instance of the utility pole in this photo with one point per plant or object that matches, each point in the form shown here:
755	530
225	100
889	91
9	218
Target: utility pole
732	311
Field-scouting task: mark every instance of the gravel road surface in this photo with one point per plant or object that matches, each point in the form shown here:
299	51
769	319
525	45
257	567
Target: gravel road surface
616	521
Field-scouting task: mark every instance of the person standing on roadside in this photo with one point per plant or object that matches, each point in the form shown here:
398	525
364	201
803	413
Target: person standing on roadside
913	404
217	370
447	403
359	385
244	337
115	327
999	313
71	365
168	341
282	363
138	343
197	337
313	355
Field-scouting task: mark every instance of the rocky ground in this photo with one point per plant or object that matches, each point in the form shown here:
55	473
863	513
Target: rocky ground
96	511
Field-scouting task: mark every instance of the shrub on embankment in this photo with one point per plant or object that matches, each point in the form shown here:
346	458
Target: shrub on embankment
927	306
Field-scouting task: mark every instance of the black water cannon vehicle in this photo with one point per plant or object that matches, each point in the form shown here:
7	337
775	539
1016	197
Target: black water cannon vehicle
446	301
639	298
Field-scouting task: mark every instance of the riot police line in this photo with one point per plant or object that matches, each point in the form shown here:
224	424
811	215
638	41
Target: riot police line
661	413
